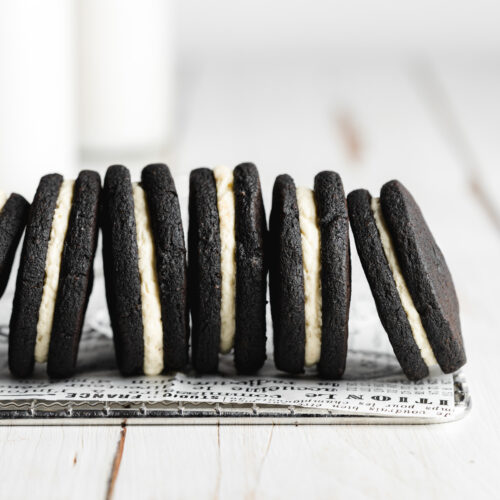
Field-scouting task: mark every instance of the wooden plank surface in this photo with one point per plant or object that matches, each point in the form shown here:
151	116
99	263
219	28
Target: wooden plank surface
371	125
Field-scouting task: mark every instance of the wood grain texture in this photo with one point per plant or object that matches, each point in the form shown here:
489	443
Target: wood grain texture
403	135
56	462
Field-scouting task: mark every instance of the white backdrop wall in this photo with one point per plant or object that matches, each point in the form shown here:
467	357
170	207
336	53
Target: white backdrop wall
259	27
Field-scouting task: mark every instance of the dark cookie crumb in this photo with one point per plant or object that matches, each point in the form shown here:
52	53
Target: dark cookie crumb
166	223
121	270
13	219
383	287
76	275
31	277
333	223
251	270
204	249
426	274
286	278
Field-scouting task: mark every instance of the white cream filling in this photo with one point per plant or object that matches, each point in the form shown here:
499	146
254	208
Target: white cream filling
150	291
311	260
225	205
406	300
3	199
52	268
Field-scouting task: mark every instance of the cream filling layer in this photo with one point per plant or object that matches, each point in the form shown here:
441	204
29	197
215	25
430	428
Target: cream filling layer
311	260
412	314
152	323
3	199
225	205
58	231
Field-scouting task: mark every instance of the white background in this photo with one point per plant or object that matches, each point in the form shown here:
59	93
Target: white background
374	90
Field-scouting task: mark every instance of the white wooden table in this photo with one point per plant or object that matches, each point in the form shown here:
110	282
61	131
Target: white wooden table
436	128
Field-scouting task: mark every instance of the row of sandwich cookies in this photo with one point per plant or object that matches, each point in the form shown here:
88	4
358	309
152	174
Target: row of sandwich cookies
229	251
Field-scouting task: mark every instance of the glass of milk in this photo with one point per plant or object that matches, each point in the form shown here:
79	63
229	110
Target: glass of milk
125	81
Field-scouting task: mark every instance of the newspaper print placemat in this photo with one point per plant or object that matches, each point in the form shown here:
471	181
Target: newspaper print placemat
373	383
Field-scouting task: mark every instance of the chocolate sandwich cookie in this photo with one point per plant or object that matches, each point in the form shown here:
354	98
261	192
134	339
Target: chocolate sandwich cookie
166	224
55	275
14	211
227	267
409	279
310	275
145	271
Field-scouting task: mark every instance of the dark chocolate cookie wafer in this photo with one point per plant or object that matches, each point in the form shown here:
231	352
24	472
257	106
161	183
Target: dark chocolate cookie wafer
204	249
383	286
76	275
13	219
166	222
30	277
333	223
121	269
251	270
286	278
426	274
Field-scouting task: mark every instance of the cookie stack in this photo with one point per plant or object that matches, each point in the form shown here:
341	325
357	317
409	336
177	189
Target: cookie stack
310	275
409	279
145	271
14	211
227	267
152	283
55	275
